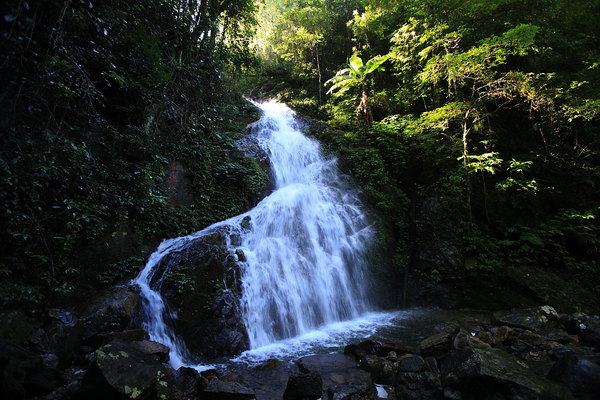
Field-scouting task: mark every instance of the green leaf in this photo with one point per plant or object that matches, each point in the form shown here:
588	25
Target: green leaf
356	63
375	63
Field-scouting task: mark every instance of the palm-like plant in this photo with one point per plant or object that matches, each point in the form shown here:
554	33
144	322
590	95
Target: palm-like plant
356	76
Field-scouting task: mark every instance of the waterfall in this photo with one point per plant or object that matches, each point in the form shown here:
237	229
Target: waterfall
303	252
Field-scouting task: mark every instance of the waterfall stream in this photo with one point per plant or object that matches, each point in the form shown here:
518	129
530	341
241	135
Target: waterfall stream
304	252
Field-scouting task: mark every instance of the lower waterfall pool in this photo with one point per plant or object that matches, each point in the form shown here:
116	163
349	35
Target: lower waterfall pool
408	327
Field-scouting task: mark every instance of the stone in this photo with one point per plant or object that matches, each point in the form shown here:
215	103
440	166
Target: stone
464	339
377	347
208	316
581	376
556	335
342	378
587	327
383	370
532	339
436	345
447	326
307	386
533	318
501	334
224	390
268	380
432	365
111	310
485	337
472	371
412	364
119	370
418	386
158	350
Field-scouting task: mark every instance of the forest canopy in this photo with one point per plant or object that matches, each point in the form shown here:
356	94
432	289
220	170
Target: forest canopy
480	118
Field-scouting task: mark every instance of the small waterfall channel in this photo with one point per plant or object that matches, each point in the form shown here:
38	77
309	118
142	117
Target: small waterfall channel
301	254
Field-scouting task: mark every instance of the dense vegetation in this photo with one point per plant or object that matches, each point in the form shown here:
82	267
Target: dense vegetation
486	110
98	99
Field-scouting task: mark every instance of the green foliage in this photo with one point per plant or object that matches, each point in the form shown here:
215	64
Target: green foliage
179	279
492	106
99	98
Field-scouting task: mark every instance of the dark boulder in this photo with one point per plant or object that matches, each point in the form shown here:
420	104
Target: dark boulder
581	376
112	310
376	347
304	386
587	327
342	378
418	385
202	287
383	370
121	371
464	339
217	389
533	318
159	351
412	364
490	373
268	380
436	345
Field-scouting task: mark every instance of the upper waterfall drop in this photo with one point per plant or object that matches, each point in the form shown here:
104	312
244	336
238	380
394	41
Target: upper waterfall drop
305	251
301	251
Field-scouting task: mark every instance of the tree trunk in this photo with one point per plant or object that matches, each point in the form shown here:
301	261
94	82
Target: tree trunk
465	156
365	107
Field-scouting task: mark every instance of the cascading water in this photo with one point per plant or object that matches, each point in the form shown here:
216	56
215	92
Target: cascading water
304	251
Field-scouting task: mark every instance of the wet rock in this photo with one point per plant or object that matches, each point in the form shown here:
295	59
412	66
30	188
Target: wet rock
129	335
202	287
464	339
557	351
533	318
412	364
556	335
447	326
110	311
485	337
268	380
472	371
581	376
587	327
158	350
224	390
382	370
342	378
418	385
121	371
436	345
50	361
377	347
432	365
187	380
501	334
307	386
530	338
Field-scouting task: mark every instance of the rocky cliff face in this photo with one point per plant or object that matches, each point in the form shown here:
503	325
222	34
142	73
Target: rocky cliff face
201	287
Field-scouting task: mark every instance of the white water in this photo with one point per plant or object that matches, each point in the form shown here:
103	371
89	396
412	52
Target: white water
305	250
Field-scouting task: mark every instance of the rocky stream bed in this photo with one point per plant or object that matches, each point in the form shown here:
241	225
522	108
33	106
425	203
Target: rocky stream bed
96	351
